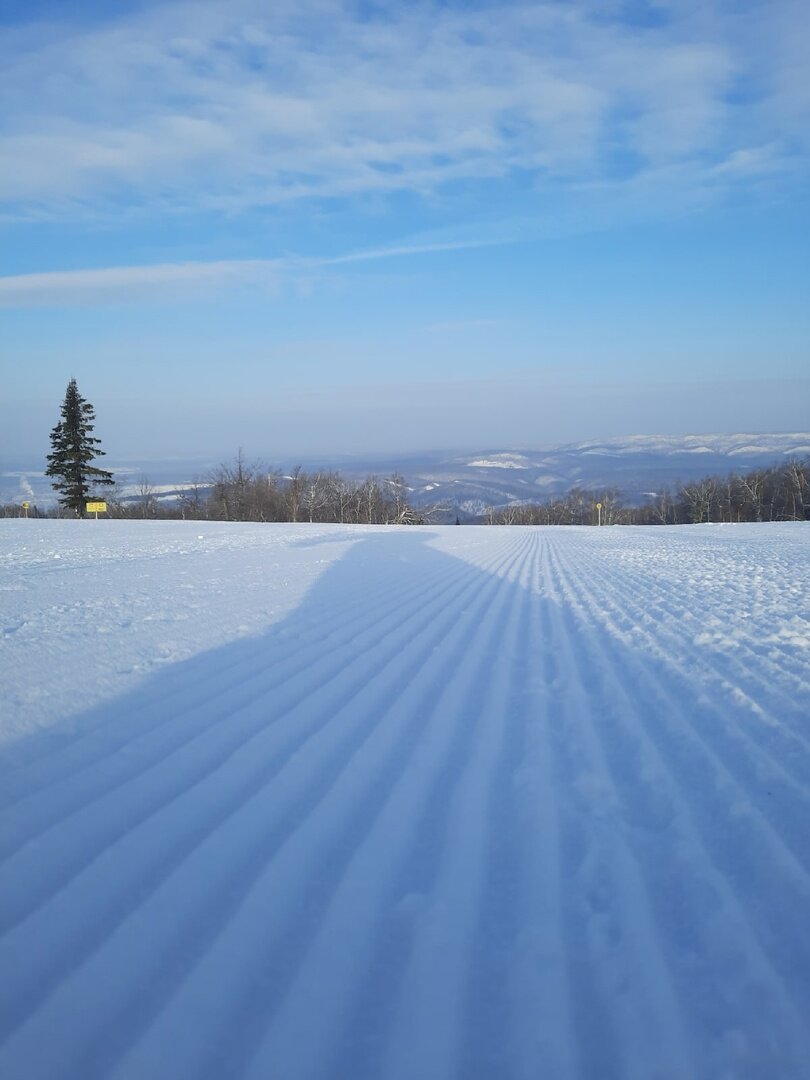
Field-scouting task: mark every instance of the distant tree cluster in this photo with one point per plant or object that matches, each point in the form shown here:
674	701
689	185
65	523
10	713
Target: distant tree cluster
242	491
578	507
780	493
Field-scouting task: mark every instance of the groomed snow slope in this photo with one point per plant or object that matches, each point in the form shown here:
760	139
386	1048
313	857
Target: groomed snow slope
283	802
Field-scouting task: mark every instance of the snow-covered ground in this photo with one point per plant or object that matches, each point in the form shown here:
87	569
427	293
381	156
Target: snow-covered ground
286	802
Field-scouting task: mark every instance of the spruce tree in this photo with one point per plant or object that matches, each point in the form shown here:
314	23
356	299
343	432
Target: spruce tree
72	450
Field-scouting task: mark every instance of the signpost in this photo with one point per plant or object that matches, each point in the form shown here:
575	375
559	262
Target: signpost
599	508
96	508
25	507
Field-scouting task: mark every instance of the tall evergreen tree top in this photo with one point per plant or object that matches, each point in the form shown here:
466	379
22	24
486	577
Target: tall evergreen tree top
73	447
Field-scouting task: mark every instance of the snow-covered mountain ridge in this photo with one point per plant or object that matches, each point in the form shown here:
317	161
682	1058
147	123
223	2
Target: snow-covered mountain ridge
635	465
740	446
790	443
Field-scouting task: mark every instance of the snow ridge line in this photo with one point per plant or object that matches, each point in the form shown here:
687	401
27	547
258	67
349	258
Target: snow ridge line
538	993
752	766
307	883
304	1031
407	899
628	1018
258	765
499	995
653	781
175	685
439	628
517	1018
791	667
219	680
256	678
744	668
766	717
72	797
436	971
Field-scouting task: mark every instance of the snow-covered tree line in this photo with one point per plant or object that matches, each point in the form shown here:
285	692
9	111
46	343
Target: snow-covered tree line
780	493
243	491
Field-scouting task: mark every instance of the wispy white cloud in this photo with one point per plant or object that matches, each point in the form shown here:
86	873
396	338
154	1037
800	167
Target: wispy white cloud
67	287
126	283
753	161
404	250
247	104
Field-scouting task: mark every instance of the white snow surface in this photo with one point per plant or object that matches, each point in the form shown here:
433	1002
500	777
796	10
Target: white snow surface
501	461
447	802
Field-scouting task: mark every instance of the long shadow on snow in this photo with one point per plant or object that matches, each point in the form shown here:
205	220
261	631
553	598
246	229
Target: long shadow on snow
113	718
125	741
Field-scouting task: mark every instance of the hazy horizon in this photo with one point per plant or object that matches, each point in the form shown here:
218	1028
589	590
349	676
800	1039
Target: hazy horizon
508	416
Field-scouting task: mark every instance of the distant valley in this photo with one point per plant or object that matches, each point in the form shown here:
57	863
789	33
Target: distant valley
636	465
469	482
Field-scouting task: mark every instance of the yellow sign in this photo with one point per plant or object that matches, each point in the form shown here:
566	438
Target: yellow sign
598	506
96	507
26	505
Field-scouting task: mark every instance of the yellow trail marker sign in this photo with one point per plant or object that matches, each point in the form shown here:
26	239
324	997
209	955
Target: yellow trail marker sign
96	508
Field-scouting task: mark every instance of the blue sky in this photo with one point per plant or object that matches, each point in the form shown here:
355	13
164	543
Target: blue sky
305	227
